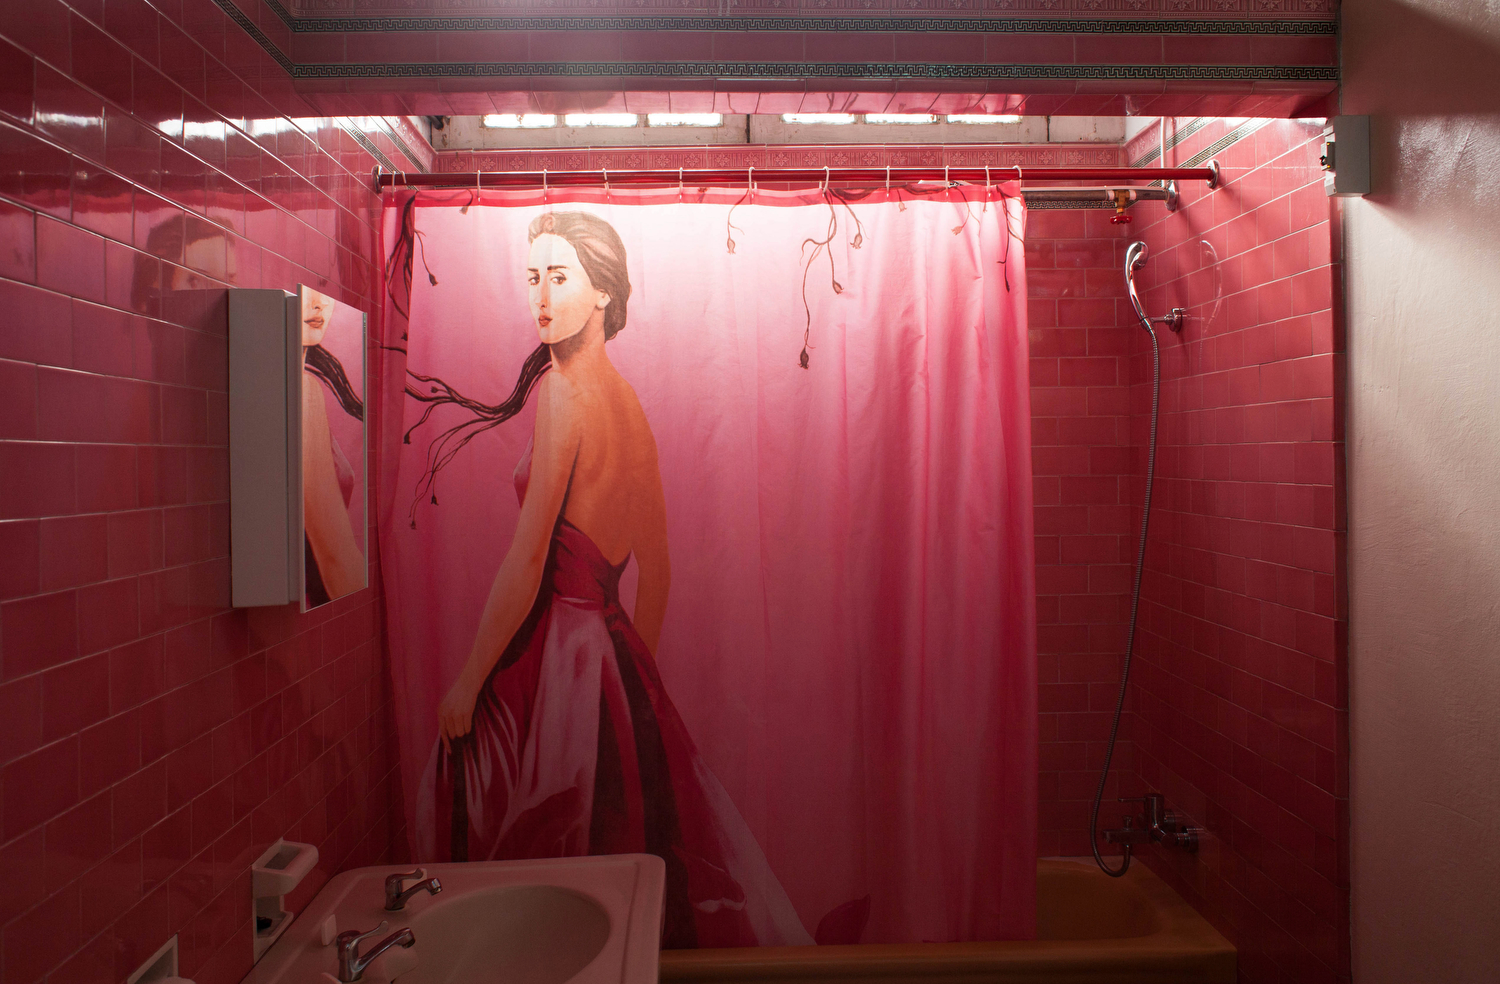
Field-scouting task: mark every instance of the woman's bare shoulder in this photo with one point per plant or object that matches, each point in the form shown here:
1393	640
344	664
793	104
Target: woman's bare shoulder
634	414
560	411
555	386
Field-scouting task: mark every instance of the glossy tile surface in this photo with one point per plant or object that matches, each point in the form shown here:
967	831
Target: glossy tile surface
1240	702
157	740
1081	460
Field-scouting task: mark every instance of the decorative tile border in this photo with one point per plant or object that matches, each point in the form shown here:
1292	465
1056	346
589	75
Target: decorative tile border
365	143
878	25
388	12
243	21
820	70
401	135
1314	76
1179	135
407	140
1220	145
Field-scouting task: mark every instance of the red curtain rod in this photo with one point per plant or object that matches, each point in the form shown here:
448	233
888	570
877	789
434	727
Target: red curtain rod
738	176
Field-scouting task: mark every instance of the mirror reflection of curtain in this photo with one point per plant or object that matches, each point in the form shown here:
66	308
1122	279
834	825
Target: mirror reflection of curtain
333	447
825	719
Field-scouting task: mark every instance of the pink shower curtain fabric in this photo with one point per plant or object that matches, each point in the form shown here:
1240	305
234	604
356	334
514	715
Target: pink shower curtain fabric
834	739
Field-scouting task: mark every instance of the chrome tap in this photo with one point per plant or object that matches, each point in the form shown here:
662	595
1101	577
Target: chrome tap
395	898
1128	834
352	965
1162	826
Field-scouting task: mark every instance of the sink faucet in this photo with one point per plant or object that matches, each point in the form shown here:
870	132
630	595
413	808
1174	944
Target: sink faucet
352	965
395	898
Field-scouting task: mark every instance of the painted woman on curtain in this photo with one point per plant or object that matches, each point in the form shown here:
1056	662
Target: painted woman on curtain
557	738
334	562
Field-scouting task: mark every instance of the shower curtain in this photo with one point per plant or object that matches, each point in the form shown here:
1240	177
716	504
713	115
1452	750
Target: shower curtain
803	671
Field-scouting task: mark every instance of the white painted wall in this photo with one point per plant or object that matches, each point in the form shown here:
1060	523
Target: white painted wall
1424	478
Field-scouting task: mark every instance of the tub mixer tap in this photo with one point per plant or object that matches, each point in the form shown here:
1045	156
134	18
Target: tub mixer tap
1162	826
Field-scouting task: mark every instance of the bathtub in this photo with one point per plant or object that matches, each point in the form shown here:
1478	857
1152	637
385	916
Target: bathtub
1090	929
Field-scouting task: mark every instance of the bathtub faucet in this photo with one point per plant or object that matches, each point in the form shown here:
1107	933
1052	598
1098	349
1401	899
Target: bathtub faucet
352	965
1162	826
395	898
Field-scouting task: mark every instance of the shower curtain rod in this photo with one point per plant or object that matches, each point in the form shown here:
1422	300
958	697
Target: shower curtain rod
814	175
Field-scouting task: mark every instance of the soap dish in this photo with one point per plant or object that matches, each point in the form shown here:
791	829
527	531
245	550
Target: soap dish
274	875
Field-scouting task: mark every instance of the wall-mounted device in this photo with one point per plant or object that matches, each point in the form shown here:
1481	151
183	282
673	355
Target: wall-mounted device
298	503
1346	157
273	876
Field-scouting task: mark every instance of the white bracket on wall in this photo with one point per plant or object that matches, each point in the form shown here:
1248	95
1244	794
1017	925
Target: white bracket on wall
1346	157
160	966
278	871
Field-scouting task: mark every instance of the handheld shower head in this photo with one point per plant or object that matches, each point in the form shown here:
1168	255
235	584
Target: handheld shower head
1135	258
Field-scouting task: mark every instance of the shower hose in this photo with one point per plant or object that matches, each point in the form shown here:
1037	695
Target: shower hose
1135	606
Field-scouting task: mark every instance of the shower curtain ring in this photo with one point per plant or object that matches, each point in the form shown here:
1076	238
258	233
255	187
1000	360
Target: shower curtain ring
606	182
750	183
679	186
887	179
946	182
827	173
544	186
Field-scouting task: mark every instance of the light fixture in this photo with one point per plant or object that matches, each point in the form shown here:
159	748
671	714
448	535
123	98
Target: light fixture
981	118
882	118
684	119
518	121
835	118
601	119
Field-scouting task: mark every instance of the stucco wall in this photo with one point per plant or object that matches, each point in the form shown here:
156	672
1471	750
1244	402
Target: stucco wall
1424	478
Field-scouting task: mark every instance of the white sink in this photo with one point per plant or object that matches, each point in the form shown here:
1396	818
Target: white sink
593	920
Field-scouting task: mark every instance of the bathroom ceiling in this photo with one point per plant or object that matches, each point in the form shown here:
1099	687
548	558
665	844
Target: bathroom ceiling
1037	57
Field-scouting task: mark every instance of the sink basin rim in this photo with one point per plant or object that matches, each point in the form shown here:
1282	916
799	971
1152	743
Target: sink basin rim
629	888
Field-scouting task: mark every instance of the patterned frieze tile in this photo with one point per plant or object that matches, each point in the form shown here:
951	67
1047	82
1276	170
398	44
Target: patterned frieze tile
277	17
756	71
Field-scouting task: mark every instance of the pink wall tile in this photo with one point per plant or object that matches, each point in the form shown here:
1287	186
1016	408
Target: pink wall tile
1237	713
1080	434
141	708
213	731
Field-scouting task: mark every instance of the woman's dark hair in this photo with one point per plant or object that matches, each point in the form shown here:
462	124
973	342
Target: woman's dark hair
601	252
326	366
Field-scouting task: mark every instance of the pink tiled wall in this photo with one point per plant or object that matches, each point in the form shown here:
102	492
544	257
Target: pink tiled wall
1240	694
155	740
1081	459
158	740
